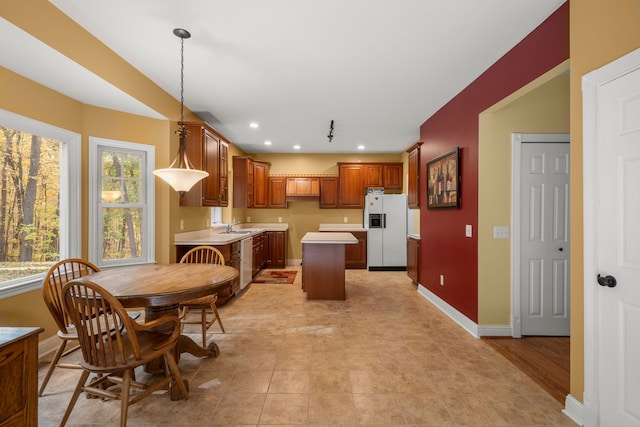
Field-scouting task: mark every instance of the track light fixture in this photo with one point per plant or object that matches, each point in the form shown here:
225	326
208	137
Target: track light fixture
330	136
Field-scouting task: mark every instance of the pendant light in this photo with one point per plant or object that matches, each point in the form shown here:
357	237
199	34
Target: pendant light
181	175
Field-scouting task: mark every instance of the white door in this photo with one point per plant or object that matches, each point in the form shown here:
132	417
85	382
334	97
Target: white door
612	244
544	239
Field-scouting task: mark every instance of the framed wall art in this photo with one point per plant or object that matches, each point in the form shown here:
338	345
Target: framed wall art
443	181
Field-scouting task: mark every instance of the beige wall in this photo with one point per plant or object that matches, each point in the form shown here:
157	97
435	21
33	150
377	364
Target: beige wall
601	31
540	107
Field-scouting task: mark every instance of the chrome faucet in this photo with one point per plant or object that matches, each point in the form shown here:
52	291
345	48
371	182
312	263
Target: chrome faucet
231	224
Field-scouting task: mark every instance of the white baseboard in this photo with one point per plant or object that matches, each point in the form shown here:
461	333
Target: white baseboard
462	320
294	262
573	409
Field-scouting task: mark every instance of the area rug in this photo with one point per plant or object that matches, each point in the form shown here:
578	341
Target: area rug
276	276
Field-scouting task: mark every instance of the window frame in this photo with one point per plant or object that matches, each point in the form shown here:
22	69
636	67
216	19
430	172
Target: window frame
95	201
70	200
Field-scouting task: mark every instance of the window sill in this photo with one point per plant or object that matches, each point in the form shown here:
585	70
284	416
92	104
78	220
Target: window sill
33	283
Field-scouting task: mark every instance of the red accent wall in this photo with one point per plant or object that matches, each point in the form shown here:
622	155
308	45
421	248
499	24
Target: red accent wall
444	248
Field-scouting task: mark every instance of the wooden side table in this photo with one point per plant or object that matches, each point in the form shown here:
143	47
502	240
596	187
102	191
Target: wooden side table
19	376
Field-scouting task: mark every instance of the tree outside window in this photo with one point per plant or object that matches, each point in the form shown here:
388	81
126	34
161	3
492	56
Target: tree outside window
39	200
120	196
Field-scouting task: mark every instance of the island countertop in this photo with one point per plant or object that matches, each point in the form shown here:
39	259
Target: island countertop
329	238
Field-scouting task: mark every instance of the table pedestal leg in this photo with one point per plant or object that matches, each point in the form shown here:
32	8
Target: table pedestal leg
184	344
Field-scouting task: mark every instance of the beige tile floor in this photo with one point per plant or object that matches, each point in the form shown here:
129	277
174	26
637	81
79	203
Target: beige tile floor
383	357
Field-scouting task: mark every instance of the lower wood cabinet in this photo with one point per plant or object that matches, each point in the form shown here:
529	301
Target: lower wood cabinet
356	255
231	254
413	259
19	376
259	253
276	249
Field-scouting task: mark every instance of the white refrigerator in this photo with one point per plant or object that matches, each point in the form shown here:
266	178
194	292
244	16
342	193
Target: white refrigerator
385	219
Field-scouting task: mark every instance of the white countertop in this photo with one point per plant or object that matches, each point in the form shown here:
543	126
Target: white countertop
413	236
218	236
341	227
329	238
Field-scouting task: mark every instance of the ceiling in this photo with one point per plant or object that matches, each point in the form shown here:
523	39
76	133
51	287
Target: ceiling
377	68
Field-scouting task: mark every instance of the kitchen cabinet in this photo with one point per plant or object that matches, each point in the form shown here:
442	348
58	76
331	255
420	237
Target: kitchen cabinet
19	376
392	176
413	259
259	253
303	187
413	185
276	249
260	184
350	186
328	192
356	255
231	254
250	183
207	151
355	178
373	175
277	192
224	173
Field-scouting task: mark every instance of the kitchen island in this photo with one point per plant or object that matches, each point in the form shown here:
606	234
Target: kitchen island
323	264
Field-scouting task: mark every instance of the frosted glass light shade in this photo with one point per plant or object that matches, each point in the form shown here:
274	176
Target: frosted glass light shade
179	178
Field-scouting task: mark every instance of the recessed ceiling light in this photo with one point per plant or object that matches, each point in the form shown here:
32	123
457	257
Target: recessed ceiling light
267	143
296	147
254	125
360	147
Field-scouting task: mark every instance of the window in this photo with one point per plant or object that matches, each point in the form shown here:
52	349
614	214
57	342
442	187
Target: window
216	216
39	200
121	202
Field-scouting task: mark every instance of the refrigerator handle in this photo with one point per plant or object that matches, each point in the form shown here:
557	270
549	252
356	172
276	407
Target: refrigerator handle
384	220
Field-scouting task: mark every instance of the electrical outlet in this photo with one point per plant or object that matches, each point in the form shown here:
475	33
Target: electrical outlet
346	219
181	224
248	219
468	230
279	219
442	279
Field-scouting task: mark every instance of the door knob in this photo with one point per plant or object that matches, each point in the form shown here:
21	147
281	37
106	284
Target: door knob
609	281
561	249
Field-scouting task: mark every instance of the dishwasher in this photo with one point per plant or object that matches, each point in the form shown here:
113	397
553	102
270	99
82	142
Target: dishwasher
246	261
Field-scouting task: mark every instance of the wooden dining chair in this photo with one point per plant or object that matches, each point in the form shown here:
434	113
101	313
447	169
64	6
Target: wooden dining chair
206	304
114	353
58	276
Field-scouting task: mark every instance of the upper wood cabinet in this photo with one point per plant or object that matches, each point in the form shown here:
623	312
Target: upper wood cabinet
303	187
392	176
250	183
328	192
373	174
355	178
413	190
350	186
207	151
260	184
277	196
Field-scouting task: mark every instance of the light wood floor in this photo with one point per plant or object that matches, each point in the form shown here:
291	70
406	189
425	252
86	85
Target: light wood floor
544	359
384	357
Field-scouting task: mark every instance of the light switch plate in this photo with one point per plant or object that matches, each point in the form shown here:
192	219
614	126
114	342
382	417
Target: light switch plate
500	232
468	230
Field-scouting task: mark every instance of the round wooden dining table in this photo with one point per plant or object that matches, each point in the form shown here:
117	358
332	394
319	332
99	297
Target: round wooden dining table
161	288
